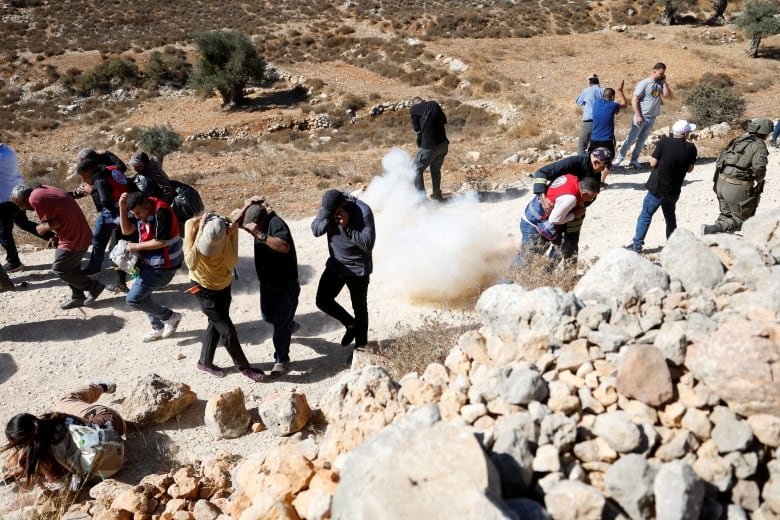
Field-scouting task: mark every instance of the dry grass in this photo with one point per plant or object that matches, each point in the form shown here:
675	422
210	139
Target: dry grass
415	348
541	271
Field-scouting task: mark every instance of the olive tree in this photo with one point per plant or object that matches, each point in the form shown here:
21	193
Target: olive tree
759	18
158	141
228	62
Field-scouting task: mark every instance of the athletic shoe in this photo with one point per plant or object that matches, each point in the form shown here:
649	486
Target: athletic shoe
8	267
108	388
633	248
349	336
72	304
279	369
634	165
118	287
211	369
153	335
254	375
171	324
93	295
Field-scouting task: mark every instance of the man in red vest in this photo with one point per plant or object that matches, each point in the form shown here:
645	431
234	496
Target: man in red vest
547	214
160	252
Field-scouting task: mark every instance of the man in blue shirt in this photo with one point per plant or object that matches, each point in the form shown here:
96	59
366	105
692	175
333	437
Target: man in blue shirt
603	134
586	99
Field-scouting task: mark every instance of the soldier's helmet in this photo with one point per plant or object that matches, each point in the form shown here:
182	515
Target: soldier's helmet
761	126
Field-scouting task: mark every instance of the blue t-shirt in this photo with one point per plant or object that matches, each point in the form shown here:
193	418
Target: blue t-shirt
604	120
586	99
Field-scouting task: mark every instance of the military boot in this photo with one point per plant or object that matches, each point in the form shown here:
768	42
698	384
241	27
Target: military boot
708	230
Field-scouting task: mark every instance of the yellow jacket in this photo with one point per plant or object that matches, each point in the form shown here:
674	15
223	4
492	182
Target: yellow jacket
215	272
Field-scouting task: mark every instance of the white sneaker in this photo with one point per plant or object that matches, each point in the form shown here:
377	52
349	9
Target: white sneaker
171	324
616	161
153	335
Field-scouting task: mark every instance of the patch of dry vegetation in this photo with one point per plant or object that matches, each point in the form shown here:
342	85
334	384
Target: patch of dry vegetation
541	271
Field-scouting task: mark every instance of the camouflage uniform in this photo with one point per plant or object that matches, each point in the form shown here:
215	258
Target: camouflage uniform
739	179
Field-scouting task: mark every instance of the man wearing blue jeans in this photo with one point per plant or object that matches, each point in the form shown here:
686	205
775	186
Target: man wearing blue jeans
775	134
161	255
646	103
672	158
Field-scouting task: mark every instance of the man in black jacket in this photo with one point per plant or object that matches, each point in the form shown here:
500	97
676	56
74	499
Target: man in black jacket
428	121
582	166
349	224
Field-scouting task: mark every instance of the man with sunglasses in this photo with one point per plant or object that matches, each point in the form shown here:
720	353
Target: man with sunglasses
349	225
581	166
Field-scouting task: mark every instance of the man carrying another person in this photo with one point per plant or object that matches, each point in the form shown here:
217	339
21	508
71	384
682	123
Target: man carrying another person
672	158
603	134
160	252
428	121
547	214
646	103
276	264
58	212
587	100
581	166
349	225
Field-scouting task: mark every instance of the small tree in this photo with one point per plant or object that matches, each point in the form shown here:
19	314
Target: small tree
167	68
158	141
228	62
714	100
759	19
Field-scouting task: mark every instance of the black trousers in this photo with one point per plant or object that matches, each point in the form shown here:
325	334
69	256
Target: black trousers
10	214
331	284
216	306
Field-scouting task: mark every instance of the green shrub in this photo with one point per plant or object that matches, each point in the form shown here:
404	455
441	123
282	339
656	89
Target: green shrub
168	68
713	101
228	62
104	78
158	141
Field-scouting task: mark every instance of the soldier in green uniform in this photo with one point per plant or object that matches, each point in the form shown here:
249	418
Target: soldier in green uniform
739	177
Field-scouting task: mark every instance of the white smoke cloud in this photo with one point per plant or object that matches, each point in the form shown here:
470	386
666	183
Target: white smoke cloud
429	251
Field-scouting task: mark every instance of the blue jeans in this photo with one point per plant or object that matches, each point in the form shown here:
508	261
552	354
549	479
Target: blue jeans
531	242
104	227
434	158
650	205
140	295
278	307
638	134
776	131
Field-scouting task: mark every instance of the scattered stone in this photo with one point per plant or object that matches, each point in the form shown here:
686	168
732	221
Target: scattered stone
155	400
547	459
572	500
644	375
226	415
629	482
285	412
618	430
679	492
745	494
696	422
672	342
523	386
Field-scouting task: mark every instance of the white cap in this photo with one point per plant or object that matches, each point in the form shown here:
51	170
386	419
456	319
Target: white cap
683	127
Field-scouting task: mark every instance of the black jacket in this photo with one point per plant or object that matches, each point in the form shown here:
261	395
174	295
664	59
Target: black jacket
433	134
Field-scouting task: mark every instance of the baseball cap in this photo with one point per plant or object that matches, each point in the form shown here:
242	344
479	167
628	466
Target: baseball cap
331	201
138	158
603	155
212	236
683	127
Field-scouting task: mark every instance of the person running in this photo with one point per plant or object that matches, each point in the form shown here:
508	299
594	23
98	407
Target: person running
211	254
428	121
276	264
49	448
672	158
349	226
587	100
160	252
58	212
603	134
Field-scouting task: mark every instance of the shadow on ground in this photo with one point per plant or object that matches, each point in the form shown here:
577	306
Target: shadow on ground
61	329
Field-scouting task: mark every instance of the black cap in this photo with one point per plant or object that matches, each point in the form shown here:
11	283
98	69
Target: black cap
331	201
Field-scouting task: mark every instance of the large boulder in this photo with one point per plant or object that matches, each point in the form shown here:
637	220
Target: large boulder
226	415
644	376
508	309
739	363
419	467
620	274
762	231
155	400
740	257
688	259
285	412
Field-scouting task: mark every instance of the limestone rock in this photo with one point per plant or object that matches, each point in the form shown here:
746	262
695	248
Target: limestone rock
226	415
739	361
618	430
679	492
106	491
629	482
620	274
155	400
523	386
762	231
135	502
512	452
731	434
285	412
644	375
672	342
740	257
572	500
688	259
418	468
205	510
766	428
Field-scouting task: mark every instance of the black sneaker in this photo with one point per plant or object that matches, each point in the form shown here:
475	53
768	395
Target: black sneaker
9	267
71	304
349	336
93	295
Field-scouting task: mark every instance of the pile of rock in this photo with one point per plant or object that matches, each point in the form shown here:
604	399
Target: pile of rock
648	391
534	155
389	106
190	493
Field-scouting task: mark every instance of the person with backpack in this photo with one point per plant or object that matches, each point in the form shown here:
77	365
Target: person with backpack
149	177
739	177
428	121
78	439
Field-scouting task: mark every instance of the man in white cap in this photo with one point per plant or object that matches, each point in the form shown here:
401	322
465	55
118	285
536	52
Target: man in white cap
672	158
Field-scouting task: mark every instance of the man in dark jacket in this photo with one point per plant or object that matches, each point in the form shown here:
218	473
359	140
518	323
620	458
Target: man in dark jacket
349	225
591	165
672	158
149	177
428	121
104	158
